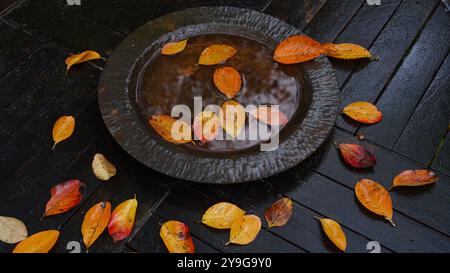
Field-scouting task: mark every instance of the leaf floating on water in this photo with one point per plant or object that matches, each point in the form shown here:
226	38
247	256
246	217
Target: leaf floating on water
64	196
269	115
228	81
206	126
81	57
216	54
297	49
176	237
122	220
357	156
346	51
412	178
232	118
222	215
364	112
244	230
174	47
279	213
63	129
102	168
334	232
375	198
12	230
95	222
41	242
172	130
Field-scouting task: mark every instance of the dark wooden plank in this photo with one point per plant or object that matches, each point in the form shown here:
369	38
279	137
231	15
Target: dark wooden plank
339	203
297	12
369	78
406	88
425	204
187	205
442	161
249	4
429	123
6	3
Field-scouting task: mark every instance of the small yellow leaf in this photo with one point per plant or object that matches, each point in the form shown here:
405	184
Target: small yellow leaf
232	118
122	219
334	231
364	112
12	230
81	57
173	47
170	129
41	242
216	54
102	168
346	51
244	230
63	129
221	215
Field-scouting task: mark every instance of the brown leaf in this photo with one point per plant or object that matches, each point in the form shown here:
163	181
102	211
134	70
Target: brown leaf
279	213
172	130
346	51
356	156
63	129
64	197
297	49
364	112
334	232
232	117
41	242
81	57
375	198
95	222
412	178
12	230
176	237
173	47
244	230
102	168
228	81
216	54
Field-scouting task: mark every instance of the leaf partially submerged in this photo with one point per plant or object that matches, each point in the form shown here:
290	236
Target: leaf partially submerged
173	47
172	130
102	168
64	196
176	237
356	156
375	198
41	242
269	115
232	118
12	230
216	54
228	81
334	232
297	49
95	222
347	51
279	213
206	126
364	112
63	129
122	220
81	57
244	230
412	178
222	215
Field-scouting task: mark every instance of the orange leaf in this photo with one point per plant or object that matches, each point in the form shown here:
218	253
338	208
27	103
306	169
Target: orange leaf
269	115
206	126
232	117
176	237
346	51
216	54
297	49
63	129
244	230
222	215
81	57
375	198
364	112
95	222
64	197
356	155
173	47
414	178
228	81
172	130
122	220
334	231
41	242
279	213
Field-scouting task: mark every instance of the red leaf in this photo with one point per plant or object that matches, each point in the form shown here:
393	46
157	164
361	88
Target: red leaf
64	197
356	155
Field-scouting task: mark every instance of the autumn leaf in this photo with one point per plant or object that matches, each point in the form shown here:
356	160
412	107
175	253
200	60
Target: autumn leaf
346	51
216	54
41	242
356	156
334	232
12	230
63	129
81	57
64	196
412	178
176	237
364	112
269	115
102	168
279	213
122	220
232	118
206	126
173	47
95	222
172	130
228	81
375	198
222	215
244	229
297	49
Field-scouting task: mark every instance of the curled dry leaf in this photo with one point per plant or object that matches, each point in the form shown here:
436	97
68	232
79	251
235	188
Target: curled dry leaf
216	54
269	115
176	237
41	242
346	51
206	126
364	112
357	156
122	220
81	57
375	198
297	49
12	230
232	117
279	213
172	130
63	129
414	178
334	231
95	222
102	168
244	229
228	81
64	196
222	215
173	47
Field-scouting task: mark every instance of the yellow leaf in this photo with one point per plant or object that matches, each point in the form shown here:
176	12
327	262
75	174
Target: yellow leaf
102	168
122	220
244	229
364	112
81	57
95	222
176	237
41	242
216	54
221	215
346	51
232	118
334	231
63	129
12	230
173	47
172	130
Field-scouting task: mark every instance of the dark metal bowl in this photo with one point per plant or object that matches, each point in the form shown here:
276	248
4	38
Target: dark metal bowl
118	86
